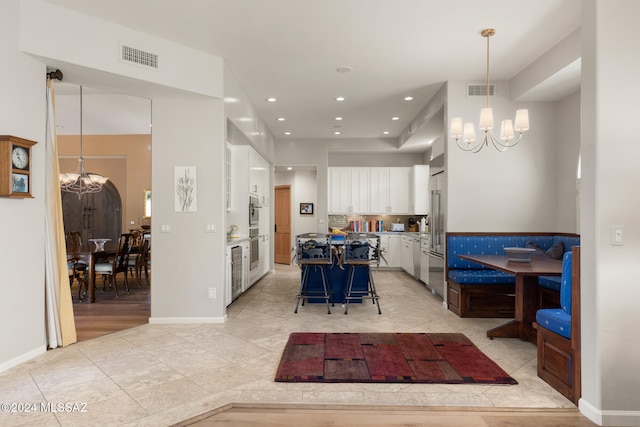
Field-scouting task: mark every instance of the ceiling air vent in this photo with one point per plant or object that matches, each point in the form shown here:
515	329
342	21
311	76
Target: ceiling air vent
480	89
139	57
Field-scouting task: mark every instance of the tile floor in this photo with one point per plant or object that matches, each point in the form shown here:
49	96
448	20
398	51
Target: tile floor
162	374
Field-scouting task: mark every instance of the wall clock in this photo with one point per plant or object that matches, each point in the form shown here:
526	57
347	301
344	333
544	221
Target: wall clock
15	166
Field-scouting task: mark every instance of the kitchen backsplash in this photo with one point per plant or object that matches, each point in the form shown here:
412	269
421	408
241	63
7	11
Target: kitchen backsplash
348	222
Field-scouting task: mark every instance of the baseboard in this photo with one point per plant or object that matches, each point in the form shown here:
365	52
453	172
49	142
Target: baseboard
23	358
172	320
609	418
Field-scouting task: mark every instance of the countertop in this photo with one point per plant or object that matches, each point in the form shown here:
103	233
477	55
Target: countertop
237	240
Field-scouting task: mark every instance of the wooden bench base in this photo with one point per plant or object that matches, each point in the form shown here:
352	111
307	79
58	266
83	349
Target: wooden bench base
468	300
556	363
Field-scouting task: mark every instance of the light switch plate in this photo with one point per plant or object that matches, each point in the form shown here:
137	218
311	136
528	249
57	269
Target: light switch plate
617	238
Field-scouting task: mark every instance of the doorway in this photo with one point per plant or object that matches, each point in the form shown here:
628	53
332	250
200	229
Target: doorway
282	221
95	215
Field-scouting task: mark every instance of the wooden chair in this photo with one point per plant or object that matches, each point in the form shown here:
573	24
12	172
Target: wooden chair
138	261
118	264
78	269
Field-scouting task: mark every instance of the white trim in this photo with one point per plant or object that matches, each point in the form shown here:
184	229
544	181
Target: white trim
172	320
609	417
23	358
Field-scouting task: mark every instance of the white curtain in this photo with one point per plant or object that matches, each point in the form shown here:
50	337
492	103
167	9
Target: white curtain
60	324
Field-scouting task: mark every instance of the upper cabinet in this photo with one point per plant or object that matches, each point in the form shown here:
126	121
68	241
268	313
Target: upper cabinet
378	190
419	189
258	177
348	190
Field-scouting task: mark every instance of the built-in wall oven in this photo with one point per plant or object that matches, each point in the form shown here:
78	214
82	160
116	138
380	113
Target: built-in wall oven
254	211
254	247
254	232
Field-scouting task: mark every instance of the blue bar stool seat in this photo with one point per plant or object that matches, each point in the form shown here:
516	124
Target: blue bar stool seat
313	251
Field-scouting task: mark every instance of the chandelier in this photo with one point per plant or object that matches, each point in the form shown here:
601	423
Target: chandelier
81	182
507	132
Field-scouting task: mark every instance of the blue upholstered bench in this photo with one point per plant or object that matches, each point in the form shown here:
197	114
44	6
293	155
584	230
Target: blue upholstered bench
474	290
558	333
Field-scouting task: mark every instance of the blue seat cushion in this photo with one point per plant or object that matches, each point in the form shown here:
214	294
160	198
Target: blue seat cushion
550	282
565	285
556	320
481	277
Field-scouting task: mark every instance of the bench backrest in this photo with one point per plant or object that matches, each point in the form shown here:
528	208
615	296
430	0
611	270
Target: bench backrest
494	244
566	282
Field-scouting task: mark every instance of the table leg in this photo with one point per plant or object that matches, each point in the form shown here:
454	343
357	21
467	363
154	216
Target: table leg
525	312
91	285
527	306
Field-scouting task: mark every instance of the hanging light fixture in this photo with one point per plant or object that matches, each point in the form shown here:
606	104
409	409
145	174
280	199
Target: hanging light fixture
467	131
81	182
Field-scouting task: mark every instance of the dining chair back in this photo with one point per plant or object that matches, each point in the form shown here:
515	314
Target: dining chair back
118	264
77	268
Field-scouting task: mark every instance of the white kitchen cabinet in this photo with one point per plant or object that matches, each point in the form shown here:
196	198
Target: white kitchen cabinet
389	191
379	202
419	189
246	265
348	190
391	248
258	177
399	190
407	254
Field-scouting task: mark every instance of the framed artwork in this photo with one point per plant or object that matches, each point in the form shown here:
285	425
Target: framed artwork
306	208
185	188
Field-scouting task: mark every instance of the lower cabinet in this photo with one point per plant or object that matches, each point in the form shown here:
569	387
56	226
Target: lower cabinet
391	248
407	255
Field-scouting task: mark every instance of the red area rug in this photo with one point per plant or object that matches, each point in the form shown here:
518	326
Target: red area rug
387	358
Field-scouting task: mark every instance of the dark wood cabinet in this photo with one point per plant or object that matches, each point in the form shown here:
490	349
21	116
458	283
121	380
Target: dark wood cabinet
95	215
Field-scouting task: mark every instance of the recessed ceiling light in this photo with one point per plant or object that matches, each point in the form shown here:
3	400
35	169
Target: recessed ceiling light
281	119
337	132
408	98
340	98
289	168
271	99
344	69
287	133
338	118
395	118
386	132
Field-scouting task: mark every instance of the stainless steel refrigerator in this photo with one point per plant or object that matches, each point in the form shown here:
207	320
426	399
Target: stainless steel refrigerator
436	231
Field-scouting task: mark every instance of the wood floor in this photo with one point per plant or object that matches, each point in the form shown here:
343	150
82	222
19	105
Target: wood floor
110	313
252	416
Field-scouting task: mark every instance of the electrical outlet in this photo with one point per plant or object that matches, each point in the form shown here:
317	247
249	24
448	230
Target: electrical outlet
212	293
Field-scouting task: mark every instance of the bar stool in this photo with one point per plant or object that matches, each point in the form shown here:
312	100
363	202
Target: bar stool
361	250
313	252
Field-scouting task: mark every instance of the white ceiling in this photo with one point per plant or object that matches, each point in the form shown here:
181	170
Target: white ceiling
290	49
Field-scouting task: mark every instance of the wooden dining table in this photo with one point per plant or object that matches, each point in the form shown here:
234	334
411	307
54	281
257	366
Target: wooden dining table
526	288
90	258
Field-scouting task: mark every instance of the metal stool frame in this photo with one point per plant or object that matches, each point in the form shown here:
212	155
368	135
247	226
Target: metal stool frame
361	250
314	250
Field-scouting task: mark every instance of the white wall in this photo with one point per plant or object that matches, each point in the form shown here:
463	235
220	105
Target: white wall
22	220
610	177
188	260
568	152
94	44
527	174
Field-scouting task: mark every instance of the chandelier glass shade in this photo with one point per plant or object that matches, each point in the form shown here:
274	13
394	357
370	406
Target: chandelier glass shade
81	183
508	129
